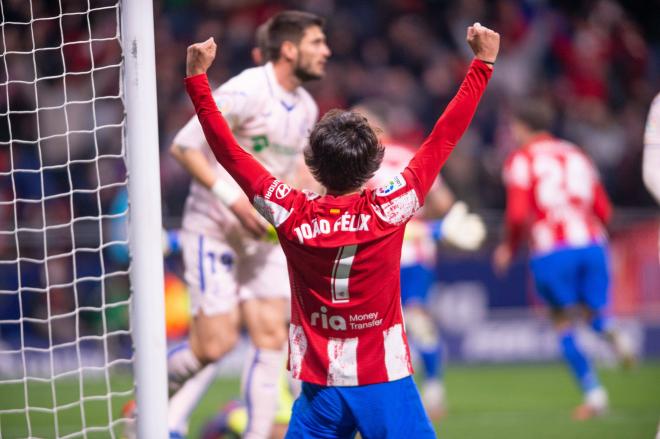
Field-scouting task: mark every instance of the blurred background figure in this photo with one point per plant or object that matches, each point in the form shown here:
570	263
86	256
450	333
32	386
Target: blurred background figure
461	229
556	202
651	164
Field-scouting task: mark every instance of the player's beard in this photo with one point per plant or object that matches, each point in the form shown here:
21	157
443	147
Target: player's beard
304	73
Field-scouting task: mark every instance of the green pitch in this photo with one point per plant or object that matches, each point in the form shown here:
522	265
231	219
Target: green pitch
520	401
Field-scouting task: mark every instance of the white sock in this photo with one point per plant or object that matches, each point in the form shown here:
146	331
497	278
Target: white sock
261	372
597	398
433	395
183	402
181	365
623	345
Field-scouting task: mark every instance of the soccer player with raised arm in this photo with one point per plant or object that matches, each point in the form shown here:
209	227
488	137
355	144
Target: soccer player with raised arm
346	339
555	200
233	273
418	254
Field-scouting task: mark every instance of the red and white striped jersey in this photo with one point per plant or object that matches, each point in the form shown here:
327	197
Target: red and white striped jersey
553	190
343	251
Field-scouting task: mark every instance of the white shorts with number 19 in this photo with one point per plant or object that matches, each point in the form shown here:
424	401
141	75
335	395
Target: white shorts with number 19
219	275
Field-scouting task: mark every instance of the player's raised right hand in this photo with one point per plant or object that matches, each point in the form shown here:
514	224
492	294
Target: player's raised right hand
200	56
485	43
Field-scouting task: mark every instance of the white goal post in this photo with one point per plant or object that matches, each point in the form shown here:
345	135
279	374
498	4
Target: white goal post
78	137
145	237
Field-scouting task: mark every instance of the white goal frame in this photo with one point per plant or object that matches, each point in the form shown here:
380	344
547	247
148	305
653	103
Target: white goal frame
145	223
132	83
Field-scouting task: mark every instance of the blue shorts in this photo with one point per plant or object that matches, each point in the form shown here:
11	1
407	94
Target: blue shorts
573	276
377	411
416	281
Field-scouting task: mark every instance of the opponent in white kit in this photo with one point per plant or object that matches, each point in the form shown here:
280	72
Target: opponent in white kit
233	272
651	163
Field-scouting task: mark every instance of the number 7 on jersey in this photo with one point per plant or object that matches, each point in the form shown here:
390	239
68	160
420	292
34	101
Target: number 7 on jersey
341	271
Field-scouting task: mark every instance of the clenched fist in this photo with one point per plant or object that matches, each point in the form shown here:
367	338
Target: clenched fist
484	42
200	56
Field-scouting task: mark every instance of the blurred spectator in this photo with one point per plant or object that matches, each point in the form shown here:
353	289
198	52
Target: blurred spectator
590	59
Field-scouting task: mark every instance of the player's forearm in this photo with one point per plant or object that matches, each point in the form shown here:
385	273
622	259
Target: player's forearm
196	163
517	211
602	204
247	172
514	236
514	230
451	125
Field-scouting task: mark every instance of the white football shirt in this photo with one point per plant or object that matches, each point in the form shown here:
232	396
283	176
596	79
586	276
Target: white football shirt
651	161
268	121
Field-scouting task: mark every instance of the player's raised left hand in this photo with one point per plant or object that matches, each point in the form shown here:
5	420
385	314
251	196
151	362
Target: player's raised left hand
200	56
485	43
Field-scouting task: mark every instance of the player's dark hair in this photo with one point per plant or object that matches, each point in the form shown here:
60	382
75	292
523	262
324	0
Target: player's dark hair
288	26
261	42
344	151
536	114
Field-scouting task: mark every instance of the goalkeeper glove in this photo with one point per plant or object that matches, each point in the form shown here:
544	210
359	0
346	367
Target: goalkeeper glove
461	229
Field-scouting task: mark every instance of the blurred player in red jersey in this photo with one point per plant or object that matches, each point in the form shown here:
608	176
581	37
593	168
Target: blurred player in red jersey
418	255
556	201
346	339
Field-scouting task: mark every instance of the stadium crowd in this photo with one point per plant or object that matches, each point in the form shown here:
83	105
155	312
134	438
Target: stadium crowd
595	62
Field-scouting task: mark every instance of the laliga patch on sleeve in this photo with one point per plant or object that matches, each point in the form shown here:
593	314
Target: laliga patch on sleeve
397	182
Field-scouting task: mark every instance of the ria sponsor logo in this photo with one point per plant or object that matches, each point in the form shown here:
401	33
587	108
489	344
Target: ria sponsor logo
338	323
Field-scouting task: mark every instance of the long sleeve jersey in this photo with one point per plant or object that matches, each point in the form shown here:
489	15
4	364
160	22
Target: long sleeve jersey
343	252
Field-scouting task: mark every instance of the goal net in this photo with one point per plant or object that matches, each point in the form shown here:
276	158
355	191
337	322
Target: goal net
66	350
